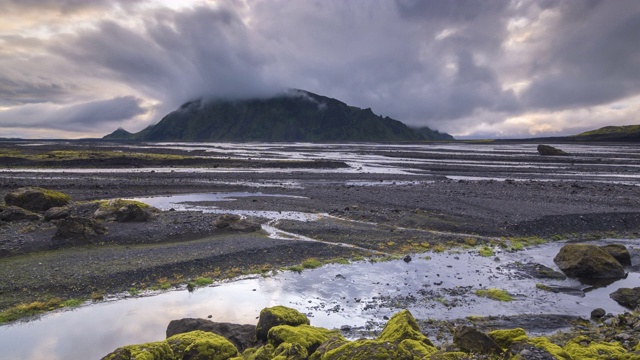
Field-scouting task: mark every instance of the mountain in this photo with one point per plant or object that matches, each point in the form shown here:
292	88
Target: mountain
630	133
297	115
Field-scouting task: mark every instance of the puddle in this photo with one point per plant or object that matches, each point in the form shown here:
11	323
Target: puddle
357	295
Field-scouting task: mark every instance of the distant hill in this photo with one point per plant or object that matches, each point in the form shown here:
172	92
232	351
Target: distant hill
611	133
297	115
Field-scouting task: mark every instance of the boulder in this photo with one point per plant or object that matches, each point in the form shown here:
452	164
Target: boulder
309	337
14	213
369	349
79	228
331	344
200	345
629	297
242	336
57	213
278	315
36	199
472	340
132	213
598	313
619	252
403	326
289	351
235	222
156	350
550	151
588	262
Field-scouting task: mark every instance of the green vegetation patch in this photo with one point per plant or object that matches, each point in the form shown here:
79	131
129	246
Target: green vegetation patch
311	263
203	281
486	251
115	204
494	294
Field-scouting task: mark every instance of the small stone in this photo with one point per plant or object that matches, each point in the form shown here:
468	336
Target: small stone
407	259
598	313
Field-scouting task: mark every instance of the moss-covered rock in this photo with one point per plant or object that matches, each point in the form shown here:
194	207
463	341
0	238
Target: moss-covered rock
309	337
629	297
278	315
582	347
150	351
553	349
14	213
368	349
472	340
418	349
289	351
588	261
36	199
262	353
506	337
450	355
200	345
619	252
331	344
403	326
124	210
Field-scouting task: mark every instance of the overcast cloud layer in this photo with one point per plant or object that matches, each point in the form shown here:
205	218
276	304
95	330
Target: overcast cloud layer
491	68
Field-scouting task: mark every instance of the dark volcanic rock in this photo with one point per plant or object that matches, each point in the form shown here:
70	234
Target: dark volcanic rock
629	297
588	262
242	336
14	213
472	340
79	228
36	199
57	213
132	213
598	313
235	222
550	151
540	271
225	220
619	252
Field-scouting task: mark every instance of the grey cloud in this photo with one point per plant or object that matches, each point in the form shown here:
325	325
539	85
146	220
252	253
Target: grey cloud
76	117
62	6
593	56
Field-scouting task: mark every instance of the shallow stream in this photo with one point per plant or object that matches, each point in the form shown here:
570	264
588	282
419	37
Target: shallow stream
432	285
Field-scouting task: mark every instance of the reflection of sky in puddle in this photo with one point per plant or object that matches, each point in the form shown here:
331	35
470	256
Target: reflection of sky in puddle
93	331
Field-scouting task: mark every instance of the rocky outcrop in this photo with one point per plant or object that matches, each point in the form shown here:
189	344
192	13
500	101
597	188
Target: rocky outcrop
629	297
547	150
619	252
57	213
242	336
472	340
132	213
79	228
588	262
14	213
124	211
278	315
36	199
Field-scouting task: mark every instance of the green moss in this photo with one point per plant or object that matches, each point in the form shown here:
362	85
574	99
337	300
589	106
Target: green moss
30	309
201	345
55	196
151	351
203	281
418	349
72	303
403	326
582	347
278	315
486	251
544	287
115	204
261	353
505	338
494	294
553	349
289	351
309	337
451	355
311	264
368	349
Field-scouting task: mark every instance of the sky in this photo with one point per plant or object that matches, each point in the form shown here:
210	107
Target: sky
474	69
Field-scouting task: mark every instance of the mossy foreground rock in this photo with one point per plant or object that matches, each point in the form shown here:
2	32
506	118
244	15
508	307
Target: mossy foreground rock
472	340
588	262
309	337
629	297
36	199
14	213
153	351
619	252
403	326
200	345
79	228
278	315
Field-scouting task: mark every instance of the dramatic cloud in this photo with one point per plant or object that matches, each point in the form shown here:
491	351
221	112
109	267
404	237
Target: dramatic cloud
472	68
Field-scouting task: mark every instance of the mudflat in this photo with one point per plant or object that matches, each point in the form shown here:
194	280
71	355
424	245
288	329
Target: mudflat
361	200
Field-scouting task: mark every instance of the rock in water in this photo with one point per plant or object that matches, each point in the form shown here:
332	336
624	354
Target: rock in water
36	199
598	313
550	151
629	297
588	262
619	252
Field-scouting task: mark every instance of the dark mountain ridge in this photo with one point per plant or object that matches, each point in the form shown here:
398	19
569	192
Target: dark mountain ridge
297	115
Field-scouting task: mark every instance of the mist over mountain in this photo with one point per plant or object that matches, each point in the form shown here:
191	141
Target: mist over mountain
296	115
